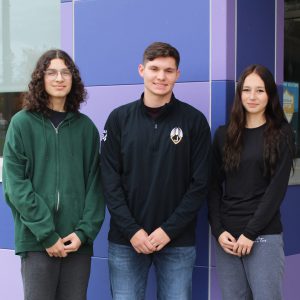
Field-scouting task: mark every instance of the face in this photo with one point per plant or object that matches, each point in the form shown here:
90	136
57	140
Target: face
254	95
159	76
58	80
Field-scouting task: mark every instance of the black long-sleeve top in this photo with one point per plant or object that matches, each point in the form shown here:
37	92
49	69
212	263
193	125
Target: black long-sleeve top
245	201
151	177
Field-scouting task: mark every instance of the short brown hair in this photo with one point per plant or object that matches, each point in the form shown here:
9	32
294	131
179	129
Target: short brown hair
160	49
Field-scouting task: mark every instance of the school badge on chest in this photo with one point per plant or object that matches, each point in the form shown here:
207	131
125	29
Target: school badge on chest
176	135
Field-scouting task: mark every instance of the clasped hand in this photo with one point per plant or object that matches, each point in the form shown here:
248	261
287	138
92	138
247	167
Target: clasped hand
62	247
146	244
239	247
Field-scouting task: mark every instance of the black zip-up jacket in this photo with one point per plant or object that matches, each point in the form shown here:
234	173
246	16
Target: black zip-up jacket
155	172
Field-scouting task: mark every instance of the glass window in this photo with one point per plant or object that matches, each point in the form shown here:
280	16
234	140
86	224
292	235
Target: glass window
28	28
292	74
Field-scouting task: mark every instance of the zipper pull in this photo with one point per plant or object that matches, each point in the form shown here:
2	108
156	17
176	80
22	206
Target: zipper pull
155	126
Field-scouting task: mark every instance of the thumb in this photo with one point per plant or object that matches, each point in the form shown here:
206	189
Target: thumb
67	238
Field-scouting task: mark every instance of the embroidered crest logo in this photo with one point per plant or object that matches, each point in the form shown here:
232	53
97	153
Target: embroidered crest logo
104	137
176	135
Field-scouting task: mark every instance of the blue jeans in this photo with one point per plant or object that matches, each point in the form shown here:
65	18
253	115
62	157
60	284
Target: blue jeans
256	276
129	272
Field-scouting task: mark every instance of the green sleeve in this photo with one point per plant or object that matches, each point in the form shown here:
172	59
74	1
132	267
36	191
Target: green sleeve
19	192
94	209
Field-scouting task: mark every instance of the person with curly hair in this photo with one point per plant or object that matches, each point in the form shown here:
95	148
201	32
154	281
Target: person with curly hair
51	181
252	161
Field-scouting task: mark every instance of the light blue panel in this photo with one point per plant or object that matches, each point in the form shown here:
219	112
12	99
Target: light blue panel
110	37
10	276
291	287
99	280
222	94
255	34
290	211
6	224
103	99
200	283
215	292
66	37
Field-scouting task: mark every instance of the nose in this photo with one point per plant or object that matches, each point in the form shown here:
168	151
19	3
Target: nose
252	95
59	77
161	75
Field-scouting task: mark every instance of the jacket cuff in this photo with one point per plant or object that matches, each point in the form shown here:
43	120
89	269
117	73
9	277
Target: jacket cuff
81	236
250	236
51	240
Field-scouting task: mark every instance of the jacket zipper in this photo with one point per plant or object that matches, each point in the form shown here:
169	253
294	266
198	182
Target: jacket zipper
57	166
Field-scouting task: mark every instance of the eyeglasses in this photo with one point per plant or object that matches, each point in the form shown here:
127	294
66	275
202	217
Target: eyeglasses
53	73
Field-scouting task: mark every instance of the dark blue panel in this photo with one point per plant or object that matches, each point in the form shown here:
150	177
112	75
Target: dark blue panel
290	211
255	33
200	283
6	224
62	1
110	37
202	238
101	243
99	280
222	94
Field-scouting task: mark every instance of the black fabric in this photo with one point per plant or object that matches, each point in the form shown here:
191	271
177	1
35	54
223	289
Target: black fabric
244	201
56	117
149	180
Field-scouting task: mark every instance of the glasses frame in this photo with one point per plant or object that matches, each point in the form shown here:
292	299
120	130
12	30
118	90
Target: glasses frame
56	72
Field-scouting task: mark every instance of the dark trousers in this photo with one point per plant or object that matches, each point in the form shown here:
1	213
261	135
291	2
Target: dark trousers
51	278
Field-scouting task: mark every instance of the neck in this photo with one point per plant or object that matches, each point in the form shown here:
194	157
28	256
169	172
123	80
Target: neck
57	104
151	100
254	121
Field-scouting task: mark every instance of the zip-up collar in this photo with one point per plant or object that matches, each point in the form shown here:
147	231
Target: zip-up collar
166	109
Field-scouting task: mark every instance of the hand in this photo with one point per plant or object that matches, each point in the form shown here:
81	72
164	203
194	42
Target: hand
73	242
57	250
243	246
141	243
227	242
159	239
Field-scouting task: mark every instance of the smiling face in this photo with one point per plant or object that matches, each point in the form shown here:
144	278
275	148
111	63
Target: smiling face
159	77
57	87
254	96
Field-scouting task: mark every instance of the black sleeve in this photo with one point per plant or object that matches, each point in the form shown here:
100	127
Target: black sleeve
197	191
111	164
274	194
217	178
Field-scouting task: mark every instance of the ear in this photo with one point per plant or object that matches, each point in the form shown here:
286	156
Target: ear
178	74
141	69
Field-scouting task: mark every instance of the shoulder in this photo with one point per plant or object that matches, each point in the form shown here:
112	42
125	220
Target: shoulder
23	118
85	121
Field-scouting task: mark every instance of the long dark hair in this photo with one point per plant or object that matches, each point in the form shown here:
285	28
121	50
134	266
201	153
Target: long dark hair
275	119
37	99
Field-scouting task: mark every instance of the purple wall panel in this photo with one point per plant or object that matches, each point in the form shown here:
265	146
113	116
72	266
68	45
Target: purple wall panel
279	42
223	40
10	276
102	100
291	285
215	292
67	28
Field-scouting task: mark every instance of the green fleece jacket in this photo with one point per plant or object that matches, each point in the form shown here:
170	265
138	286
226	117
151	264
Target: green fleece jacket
51	180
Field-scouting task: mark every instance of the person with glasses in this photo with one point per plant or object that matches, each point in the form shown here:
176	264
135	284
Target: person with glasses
155	162
51	181
252	160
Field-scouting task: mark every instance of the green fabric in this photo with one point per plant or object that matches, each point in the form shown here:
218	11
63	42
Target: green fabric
51	180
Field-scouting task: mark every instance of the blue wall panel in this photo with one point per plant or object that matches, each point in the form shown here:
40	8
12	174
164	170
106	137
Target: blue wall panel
110	37
222	94
290	212
6	224
255	34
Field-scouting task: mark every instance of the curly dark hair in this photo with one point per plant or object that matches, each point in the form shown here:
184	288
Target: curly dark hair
37	99
276	130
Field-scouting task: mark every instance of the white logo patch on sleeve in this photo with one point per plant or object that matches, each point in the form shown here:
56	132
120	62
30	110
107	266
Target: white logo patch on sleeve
176	135
104	135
